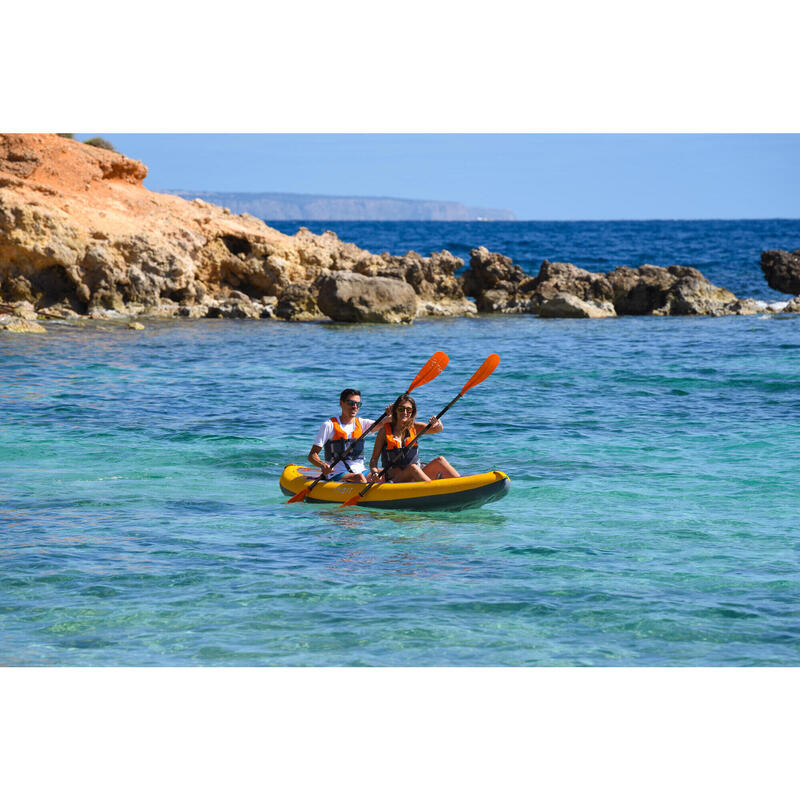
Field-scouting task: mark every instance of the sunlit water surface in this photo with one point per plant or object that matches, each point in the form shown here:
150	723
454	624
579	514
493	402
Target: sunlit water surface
652	518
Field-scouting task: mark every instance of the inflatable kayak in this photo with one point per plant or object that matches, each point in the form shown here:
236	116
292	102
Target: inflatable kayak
447	494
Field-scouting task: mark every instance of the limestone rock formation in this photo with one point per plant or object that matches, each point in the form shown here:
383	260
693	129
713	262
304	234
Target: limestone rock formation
297	304
782	270
352	297
669	291
21	309
639	291
560	278
562	289
792	307
80	235
563	304
491	271
15	324
497	284
439	292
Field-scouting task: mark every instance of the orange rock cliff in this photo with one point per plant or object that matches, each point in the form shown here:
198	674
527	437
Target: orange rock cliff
81	235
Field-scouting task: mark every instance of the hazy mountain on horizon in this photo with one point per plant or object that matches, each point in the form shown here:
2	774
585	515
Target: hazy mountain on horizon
284	206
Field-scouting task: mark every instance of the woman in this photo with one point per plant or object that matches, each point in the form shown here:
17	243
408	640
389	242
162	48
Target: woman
400	454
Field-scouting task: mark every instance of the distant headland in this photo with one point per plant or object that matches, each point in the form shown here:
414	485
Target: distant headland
283	206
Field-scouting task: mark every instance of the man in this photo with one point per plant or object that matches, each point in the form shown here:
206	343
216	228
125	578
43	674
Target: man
335	435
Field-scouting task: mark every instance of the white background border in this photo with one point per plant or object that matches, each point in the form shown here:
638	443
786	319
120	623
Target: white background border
416	67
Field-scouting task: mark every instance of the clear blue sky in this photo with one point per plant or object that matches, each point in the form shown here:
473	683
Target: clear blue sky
537	176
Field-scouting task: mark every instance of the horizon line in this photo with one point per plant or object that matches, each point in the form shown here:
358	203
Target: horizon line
597	219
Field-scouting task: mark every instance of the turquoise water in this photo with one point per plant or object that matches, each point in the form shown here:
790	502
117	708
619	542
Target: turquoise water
652	518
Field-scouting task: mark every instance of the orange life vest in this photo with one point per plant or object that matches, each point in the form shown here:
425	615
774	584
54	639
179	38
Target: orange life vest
342	440
394	453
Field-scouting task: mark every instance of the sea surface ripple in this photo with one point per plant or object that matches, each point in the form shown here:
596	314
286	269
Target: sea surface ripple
652	518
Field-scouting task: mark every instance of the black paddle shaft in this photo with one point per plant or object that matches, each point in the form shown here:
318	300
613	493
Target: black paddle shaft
421	433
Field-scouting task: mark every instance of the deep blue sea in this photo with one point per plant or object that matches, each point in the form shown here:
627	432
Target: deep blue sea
727	252
653	517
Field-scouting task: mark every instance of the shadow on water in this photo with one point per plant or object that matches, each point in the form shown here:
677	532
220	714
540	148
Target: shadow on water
413	520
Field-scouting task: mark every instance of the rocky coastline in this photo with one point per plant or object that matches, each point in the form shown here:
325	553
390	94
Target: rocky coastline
81	237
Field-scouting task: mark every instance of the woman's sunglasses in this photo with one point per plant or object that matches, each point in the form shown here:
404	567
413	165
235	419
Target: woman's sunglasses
405	410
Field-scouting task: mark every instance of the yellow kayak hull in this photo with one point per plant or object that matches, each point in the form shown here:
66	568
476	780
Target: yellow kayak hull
448	494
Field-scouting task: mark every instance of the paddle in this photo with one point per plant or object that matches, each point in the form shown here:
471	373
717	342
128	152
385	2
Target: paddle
485	370
435	364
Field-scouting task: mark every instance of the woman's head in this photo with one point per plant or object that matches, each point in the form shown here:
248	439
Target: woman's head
404	411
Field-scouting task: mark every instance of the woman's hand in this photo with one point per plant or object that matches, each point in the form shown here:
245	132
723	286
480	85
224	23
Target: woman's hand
373	474
435	424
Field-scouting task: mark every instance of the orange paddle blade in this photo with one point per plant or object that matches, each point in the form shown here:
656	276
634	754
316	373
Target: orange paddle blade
486	369
299	497
436	363
351	501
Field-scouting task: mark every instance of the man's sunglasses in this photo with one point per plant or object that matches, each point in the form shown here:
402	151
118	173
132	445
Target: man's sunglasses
356	403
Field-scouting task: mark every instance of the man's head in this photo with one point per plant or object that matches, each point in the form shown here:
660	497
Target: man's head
350	401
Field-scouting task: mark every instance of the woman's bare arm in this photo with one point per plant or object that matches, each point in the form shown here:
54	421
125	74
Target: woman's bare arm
380	439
